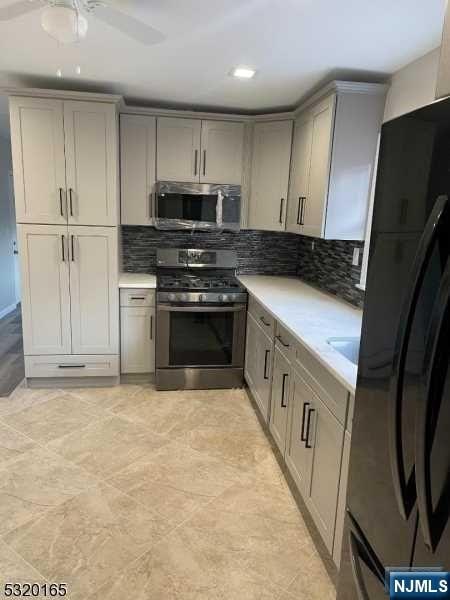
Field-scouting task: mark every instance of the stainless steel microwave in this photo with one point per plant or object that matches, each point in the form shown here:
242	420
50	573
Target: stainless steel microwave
197	206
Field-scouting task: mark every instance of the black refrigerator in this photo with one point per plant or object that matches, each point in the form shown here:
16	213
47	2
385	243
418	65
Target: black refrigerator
398	498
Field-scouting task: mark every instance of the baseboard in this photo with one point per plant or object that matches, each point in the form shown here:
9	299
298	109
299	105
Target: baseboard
7	310
70	382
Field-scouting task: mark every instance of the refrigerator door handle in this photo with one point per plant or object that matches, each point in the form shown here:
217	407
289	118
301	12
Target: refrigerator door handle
360	550
433	521
405	491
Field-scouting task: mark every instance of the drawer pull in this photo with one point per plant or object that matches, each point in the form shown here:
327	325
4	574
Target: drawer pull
308	426
71	366
280	339
302	429
264	322
283	389
137	297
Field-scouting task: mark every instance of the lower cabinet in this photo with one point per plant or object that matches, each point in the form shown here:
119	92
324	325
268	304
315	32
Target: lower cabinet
258	365
137	331
69	295
279	406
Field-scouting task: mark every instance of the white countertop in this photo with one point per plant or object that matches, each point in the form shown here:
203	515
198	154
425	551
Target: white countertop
311	317
137	280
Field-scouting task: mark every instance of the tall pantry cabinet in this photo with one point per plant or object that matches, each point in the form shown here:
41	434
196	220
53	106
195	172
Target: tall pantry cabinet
65	164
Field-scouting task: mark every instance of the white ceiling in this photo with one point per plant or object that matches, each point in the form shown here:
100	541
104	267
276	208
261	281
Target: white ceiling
294	44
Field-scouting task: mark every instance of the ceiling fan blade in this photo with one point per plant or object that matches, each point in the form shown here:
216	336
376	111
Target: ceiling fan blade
128	25
17	9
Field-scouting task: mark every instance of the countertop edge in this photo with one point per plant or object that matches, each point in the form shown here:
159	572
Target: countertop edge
136	281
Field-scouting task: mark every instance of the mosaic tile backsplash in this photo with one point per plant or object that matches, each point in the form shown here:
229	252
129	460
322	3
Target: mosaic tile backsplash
328	266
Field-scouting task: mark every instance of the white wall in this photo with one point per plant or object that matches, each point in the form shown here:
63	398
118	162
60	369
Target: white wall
7	225
413	86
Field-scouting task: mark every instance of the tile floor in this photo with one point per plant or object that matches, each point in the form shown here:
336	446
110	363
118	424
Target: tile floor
127	493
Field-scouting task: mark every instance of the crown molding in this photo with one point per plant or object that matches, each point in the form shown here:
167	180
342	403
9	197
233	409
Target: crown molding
61	94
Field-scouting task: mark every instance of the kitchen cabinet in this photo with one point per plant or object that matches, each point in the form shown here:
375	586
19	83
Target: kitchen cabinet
45	289
334	149
93	290
137	327
279	405
178	149
64	161
192	150
69	283
137	168
258	365
270	175
222	152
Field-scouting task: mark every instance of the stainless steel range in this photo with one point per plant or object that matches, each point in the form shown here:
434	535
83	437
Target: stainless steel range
200	320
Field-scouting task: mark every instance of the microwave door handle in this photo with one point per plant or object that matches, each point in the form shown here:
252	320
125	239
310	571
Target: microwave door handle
433	521
405	491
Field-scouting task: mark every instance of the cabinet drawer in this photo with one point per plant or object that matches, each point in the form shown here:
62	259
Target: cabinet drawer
332	393
72	365
137	297
285	342
262	317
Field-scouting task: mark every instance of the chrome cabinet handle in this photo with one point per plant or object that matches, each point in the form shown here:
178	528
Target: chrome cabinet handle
71	201
150	205
195	161
301	210
281	211
283	389
264	322
72	248
204	162
298	210
71	366
151	327
265	364
137	297
280	339
63	248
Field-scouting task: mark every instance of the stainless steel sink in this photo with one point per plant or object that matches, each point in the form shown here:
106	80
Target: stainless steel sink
347	346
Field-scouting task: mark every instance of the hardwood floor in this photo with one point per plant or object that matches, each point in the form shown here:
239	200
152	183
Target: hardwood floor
12	369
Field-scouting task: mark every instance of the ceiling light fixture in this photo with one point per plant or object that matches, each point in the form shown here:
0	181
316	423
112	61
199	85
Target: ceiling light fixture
243	72
63	22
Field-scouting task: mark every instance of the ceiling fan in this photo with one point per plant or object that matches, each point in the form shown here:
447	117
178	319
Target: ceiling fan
66	20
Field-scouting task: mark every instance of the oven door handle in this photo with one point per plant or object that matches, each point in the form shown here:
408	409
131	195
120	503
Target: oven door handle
201	309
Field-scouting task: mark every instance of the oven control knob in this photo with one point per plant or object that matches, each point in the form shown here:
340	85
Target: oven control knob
223	298
172	297
201	297
183	297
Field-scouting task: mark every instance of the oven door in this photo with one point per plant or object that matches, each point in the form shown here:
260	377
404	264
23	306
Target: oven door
196	336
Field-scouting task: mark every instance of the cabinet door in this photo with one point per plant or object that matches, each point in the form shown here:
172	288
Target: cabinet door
300	166
45	289
137	339
222	145
319	172
90	130
298	455
258	365
270	175
93	290
178	149
326	436
137	168
37	144
280	399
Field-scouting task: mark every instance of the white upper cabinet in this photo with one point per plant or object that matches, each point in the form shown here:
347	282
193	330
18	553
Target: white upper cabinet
222	152
91	163
335	142
137	168
299	180
93	290
192	150
270	175
37	141
65	157
178	155
45	289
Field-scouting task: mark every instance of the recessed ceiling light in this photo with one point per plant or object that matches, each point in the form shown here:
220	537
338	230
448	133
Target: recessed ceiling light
243	72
